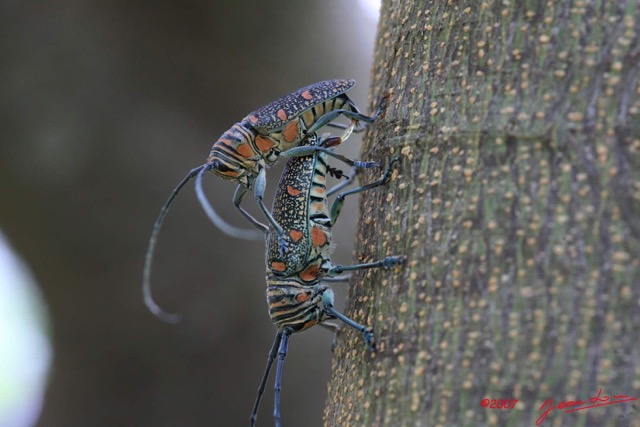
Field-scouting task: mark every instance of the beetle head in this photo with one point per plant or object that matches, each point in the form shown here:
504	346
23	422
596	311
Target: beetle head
230	171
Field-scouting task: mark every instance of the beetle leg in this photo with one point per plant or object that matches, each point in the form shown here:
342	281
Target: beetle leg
334	114
282	353
265	376
336	207
367	333
309	150
356	124
335	279
386	263
241	190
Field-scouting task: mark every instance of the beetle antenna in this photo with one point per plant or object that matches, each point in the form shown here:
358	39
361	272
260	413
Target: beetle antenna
148	259
237	232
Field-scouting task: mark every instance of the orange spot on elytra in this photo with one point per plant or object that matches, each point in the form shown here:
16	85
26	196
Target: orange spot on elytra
306	95
253	119
244	150
292	191
318	236
278	266
310	273
263	143
282	114
302	297
295	235
290	131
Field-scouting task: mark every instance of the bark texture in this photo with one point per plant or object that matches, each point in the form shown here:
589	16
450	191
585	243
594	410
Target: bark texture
517	204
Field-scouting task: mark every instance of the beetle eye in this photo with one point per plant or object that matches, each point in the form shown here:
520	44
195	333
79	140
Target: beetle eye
219	166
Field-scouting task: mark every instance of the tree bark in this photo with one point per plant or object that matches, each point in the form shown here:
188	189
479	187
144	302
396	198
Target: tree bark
517	205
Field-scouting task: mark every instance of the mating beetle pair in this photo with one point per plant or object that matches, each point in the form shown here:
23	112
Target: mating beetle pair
299	230
243	152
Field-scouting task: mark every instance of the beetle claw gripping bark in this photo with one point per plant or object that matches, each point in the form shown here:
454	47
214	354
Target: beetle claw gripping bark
243	153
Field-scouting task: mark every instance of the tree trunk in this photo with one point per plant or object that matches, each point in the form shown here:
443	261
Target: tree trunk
517	205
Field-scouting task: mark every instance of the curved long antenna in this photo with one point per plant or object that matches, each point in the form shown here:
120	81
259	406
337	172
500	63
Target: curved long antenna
225	227
148	259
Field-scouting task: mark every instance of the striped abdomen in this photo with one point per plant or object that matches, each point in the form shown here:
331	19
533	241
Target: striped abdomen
340	102
294	305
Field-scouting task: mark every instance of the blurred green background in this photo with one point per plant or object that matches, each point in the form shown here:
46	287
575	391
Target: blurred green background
105	107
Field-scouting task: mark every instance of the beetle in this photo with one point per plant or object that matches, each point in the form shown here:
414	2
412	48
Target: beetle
298	295
243	153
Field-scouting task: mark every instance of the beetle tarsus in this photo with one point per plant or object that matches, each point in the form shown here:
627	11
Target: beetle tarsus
365	165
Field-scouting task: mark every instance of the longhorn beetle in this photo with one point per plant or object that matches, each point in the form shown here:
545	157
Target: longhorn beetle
244	151
297	295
